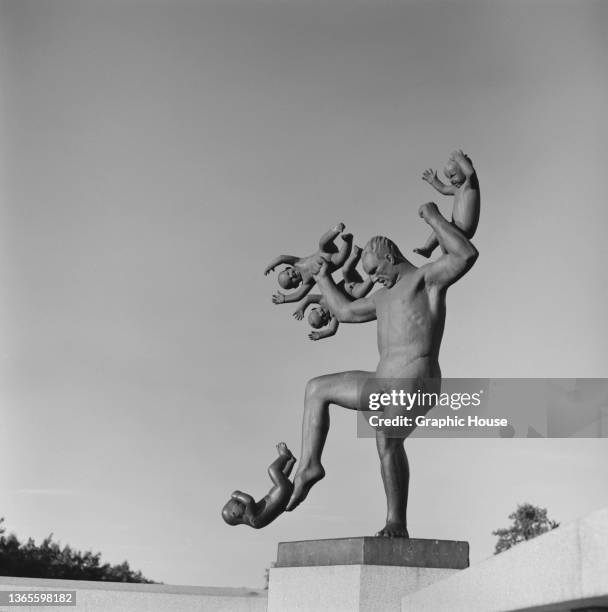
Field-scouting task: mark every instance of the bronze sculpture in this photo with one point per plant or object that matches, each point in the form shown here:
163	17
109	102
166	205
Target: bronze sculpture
410	311
352	285
242	509
297	275
464	186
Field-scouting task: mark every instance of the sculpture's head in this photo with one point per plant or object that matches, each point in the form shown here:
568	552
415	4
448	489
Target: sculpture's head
319	317
453	172
289	278
381	258
233	512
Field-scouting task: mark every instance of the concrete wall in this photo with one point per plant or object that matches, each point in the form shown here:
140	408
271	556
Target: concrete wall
122	597
347	588
565	569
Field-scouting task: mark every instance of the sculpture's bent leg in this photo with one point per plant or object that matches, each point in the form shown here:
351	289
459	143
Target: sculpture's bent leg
343	389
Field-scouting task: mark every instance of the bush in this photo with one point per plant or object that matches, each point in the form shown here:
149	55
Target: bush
528	522
50	560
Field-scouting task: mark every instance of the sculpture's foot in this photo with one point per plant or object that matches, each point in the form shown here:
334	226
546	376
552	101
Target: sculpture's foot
302	483
424	252
393	530
347	237
283	450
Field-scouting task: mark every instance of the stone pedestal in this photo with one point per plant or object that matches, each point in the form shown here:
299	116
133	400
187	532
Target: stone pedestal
359	574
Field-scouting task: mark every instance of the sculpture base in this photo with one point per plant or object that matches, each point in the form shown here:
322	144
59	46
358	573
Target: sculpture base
359	574
403	552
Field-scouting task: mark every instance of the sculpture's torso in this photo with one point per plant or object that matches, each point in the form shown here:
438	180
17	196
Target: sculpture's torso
305	265
411	320
271	505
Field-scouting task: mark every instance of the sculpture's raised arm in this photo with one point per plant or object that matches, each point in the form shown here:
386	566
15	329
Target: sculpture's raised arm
459	255
430	176
281	259
287	298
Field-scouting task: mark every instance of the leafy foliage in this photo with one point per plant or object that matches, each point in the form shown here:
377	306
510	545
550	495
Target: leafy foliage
50	560
528	522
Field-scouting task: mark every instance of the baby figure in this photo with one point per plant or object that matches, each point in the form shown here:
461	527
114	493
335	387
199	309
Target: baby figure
298	272
242	509
464	186
319	317
352	285
352	282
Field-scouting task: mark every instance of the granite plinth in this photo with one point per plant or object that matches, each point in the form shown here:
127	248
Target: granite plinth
403	552
347	588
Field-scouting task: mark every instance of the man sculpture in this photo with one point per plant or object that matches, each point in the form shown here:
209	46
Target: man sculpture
410	310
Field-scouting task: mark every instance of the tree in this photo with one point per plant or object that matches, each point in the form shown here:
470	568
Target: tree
528	522
50	560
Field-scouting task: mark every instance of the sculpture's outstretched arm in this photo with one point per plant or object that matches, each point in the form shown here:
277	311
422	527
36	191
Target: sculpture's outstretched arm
430	176
296	296
281	259
459	256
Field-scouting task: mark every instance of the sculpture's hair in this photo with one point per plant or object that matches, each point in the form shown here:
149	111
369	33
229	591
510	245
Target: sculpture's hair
382	246
315	318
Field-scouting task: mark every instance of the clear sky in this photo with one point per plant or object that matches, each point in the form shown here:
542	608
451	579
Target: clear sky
156	155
